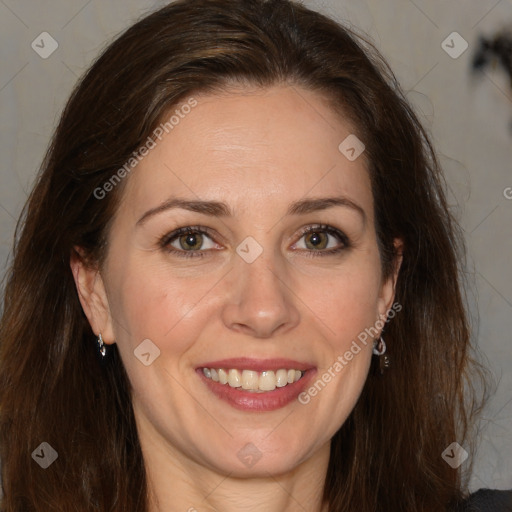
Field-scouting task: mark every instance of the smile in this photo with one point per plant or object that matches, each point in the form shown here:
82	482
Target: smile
249	380
256	385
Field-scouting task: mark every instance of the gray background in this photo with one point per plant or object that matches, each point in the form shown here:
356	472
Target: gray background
469	122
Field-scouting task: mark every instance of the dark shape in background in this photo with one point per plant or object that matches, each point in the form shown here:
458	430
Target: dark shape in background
493	52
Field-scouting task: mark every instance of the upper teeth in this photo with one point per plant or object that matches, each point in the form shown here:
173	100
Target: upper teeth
251	380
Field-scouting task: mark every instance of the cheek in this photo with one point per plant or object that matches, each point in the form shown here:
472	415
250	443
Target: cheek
157	303
347	302
148	303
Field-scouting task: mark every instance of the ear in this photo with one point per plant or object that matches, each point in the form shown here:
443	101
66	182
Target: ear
387	292
92	295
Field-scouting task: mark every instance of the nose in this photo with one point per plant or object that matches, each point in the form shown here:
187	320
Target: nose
261	301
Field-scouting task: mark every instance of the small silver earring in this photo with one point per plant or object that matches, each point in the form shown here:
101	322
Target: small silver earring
380	347
379	350
101	346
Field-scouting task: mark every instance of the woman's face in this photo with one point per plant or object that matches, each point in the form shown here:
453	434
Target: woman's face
246	291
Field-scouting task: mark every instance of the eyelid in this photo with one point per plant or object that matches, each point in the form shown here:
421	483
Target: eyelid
331	230
165	241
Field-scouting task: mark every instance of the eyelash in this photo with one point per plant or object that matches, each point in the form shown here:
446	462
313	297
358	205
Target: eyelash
167	239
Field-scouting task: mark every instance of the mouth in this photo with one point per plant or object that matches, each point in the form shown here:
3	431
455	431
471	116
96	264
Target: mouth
256	382
257	385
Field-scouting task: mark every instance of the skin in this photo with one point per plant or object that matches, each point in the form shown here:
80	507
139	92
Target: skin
258	151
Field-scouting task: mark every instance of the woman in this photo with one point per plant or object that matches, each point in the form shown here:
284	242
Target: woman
237	209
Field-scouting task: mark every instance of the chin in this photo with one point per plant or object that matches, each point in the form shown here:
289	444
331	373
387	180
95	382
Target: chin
250	461
262	468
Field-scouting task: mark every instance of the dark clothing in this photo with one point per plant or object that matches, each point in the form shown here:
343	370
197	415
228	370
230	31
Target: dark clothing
487	500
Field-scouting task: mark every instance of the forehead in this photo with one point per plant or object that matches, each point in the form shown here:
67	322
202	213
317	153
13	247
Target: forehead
250	147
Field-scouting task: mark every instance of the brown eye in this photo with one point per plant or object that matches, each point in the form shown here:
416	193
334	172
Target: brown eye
322	240
316	240
190	241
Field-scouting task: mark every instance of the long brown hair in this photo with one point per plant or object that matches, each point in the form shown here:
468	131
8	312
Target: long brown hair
387	455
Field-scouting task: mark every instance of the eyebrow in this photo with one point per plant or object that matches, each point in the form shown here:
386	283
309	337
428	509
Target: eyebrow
221	209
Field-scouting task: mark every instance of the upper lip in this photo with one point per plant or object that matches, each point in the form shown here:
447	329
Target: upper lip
257	365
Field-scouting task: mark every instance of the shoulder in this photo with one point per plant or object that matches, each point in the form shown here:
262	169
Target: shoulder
487	500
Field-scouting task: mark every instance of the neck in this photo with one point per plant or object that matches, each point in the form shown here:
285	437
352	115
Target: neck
179	484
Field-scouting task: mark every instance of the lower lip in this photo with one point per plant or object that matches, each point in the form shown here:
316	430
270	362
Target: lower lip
248	401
